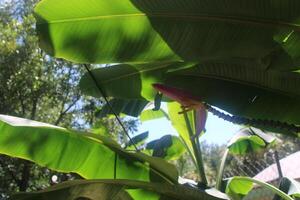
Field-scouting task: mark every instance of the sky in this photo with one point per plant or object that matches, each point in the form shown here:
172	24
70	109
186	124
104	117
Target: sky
5	1
218	131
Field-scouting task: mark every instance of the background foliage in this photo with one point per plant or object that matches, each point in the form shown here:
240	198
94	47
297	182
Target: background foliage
36	86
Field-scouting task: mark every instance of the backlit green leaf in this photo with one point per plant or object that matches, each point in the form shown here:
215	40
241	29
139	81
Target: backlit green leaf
237	188
249	140
128	81
91	156
116	31
151	115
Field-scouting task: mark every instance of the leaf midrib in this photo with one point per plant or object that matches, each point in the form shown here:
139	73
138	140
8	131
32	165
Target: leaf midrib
198	17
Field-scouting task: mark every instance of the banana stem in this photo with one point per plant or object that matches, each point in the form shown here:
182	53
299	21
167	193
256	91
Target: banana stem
197	151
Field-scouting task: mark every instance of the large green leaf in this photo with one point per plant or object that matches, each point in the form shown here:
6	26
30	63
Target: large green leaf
99	32
247	74
240	43
128	81
115	31
119	189
251	93
91	156
241	91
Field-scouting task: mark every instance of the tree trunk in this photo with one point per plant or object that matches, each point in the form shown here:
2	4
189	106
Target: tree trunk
24	182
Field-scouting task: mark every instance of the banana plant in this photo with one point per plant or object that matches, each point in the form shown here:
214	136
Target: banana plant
251	58
203	54
126	31
98	157
248	140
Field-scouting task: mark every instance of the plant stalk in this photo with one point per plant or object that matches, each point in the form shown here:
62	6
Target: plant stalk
197	151
189	151
276	157
267	186
221	170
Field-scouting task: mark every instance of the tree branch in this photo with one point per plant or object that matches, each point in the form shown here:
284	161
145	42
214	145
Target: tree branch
33	109
24	183
63	112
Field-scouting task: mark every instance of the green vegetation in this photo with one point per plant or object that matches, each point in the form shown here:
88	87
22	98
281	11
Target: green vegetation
236	56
